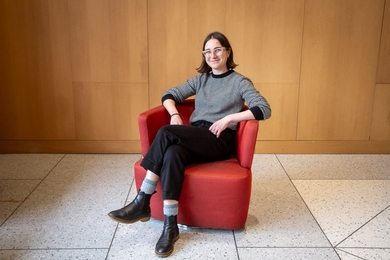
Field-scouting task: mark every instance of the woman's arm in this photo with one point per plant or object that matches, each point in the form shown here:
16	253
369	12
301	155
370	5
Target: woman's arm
223	123
170	106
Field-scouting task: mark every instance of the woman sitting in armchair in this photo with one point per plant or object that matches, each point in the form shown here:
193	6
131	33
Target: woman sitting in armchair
221	94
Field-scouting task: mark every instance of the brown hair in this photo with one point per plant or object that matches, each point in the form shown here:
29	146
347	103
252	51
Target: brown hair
204	67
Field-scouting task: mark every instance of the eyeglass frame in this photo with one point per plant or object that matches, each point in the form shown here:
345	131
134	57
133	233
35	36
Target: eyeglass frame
208	52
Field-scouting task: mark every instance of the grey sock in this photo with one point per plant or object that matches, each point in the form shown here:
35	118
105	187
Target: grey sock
171	209
148	186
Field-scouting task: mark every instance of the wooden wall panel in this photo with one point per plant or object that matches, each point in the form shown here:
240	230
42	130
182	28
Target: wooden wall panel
283	99
380	129
176	33
109	111
383	75
162	48
75	74
35	71
109	67
267	36
202	20
108	40
339	57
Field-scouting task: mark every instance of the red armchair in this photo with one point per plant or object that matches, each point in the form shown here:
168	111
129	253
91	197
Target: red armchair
214	194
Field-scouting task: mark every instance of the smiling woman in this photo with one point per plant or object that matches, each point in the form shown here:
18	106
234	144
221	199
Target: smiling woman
215	47
216	56
220	94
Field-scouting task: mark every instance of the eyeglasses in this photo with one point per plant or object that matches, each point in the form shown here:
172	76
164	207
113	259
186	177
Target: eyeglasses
217	51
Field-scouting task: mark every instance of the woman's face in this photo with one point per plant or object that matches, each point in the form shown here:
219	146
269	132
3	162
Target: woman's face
216	56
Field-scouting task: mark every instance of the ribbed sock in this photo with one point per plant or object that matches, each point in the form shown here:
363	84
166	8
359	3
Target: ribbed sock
171	209
148	186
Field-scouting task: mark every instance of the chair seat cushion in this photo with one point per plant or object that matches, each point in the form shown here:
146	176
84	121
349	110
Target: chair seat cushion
215	194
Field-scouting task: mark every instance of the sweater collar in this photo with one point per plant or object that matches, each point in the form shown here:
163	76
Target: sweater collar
227	73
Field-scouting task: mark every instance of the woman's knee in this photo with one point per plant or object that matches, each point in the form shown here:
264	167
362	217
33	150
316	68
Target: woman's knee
162	130
176	153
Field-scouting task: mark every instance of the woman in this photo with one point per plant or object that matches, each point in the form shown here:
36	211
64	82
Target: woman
220	96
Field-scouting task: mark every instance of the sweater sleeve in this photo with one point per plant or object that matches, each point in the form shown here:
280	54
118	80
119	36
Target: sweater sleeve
183	91
257	104
257	113
167	96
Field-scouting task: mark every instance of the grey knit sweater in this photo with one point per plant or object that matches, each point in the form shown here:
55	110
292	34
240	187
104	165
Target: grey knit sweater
220	95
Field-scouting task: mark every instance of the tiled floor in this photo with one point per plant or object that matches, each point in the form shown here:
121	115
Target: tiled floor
303	207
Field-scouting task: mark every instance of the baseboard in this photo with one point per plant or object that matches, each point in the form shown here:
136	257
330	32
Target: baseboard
262	147
68	147
323	147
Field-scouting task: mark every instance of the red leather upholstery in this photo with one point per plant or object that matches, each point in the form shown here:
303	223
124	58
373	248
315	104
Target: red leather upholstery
215	194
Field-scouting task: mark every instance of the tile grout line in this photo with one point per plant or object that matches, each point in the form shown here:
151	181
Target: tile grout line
117	225
235	244
350	253
362	227
33	190
307	207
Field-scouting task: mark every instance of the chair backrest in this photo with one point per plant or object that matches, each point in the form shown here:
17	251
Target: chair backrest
151	120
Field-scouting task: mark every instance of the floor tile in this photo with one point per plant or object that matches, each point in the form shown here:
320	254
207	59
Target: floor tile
27	166
16	190
363	253
277	215
12	194
341	207
55	207
287	253
138	241
135	241
68	209
374	234
95	254
336	166
6	209
347	256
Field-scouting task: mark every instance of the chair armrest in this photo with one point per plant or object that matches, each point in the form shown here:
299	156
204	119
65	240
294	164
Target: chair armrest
150	121
246	137
148	124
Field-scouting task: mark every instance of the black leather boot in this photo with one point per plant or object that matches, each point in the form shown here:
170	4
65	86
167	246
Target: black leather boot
137	210
170	234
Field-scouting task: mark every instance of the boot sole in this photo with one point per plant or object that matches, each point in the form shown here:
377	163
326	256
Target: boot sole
166	254
129	221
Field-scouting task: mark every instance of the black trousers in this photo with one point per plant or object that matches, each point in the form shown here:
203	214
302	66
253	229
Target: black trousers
176	146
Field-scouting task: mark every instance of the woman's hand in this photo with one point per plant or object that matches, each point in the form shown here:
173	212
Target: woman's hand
219	126
176	120
223	123
170	106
